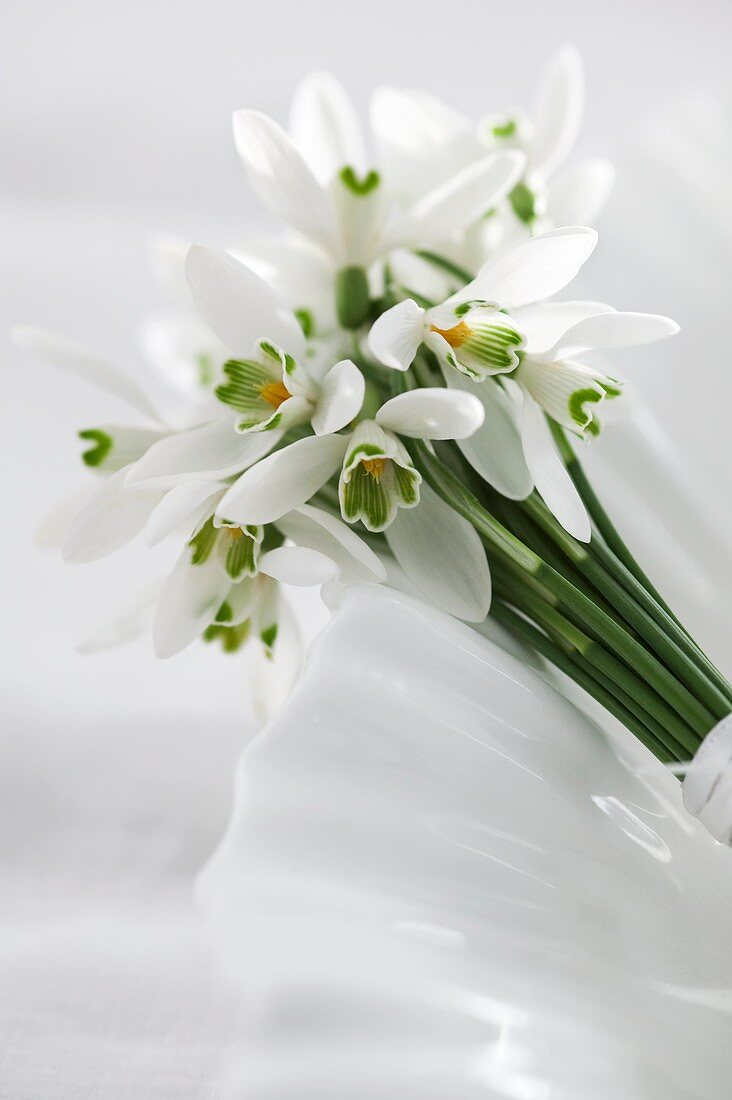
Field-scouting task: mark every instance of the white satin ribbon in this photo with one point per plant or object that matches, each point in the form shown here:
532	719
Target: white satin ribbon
707	789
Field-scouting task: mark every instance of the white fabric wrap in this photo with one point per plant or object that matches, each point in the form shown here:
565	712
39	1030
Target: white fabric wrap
707	788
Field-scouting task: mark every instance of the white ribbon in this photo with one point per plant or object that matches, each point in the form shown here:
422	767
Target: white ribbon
707	789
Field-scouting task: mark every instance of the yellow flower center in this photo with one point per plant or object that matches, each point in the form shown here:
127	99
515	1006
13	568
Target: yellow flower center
234	532
454	336
374	466
274	393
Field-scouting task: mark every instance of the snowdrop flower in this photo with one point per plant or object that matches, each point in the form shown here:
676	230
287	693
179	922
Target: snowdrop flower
473	331
377	475
326	191
547	137
421	138
514	450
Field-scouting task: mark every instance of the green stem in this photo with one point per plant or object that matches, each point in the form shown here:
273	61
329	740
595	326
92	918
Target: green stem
566	664
599	573
444	264
637	695
593	618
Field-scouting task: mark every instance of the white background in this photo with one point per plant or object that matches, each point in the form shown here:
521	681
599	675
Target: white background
115	123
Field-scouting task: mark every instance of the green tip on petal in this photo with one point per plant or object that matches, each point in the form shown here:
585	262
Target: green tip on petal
360	187
269	636
306	322
103	444
203	542
505	130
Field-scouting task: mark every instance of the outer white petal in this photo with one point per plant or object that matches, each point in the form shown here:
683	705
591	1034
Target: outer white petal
432	413
51	531
281	179
272	677
545	323
341	397
284	480
443	556
495	451
309	526
558	111
238	305
325	127
298	565
459	201
127	621
534	269
576	195
614	330
184	503
190	597
549	473
85	364
205	453
421	141
396	335
111	519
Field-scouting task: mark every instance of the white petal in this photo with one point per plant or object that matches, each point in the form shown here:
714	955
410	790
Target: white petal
284	480
545	323
459	201
205	453
432	413
341	397
396	335
534	269
421	141
239	307
298	565
127	621
549	473
281	179
189	600
443	556
309	526
168	261
51	531
184	503
298	271
325	127
111	519
576	195
558	111
85	364
495	451
273	676
614	330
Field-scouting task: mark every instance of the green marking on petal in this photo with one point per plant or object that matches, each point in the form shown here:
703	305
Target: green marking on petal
407	481
203	542
206	371
505	130
363	450
523	201
269	636
224	613
241	554
232	638
103	444
306	322
576	405
360	187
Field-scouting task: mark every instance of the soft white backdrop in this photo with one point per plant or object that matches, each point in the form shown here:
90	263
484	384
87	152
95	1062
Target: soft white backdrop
115	123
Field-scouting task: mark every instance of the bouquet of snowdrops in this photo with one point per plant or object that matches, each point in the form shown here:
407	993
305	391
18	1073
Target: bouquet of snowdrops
393	393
